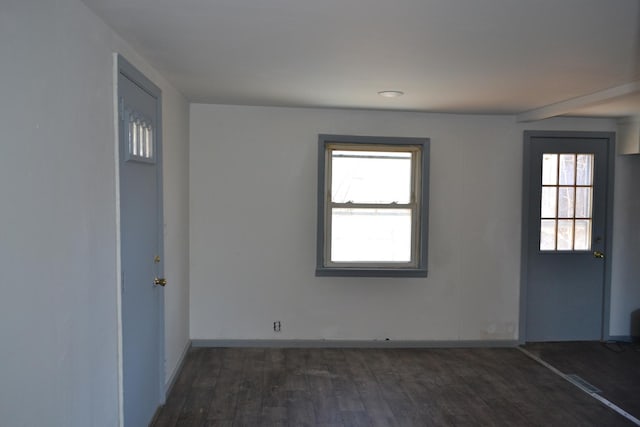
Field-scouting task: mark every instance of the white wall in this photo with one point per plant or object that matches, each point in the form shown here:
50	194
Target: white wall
58	323
253	219
175	152
625	292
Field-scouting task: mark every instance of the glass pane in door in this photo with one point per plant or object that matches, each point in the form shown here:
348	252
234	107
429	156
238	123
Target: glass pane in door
566	202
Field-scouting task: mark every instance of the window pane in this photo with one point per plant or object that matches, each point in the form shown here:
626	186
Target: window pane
565	235
573	186
583	202
549	169
584	174
583	235
566	202
371	235
567	169
371	177
547	235
548	202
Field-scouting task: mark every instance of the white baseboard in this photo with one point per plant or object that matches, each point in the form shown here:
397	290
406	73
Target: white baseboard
623	338
352	343
174	375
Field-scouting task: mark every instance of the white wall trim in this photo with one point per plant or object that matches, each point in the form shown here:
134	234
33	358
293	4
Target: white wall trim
353	343
118	284
620	338
566	106
174	375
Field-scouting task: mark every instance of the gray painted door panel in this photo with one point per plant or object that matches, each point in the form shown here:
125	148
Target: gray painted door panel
140	242
565	289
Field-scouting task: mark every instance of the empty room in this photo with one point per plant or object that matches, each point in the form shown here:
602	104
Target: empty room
329	213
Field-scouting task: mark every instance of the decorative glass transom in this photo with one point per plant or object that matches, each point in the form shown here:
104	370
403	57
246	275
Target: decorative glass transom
140	138
566	213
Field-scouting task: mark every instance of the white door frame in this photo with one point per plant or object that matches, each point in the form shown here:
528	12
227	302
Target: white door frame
526	189
120	64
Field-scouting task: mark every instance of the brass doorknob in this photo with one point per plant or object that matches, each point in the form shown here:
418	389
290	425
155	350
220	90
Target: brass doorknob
598	254
160	281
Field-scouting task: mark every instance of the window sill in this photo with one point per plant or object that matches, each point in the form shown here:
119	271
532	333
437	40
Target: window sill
370	272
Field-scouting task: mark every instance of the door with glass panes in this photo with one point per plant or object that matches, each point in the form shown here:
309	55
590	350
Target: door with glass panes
140	172
566	234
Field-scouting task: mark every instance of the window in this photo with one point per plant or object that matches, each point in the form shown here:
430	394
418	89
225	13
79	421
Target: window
566	202
140	147
372	206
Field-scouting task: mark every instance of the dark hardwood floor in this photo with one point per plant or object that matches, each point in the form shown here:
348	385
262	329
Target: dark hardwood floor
614	368
374	387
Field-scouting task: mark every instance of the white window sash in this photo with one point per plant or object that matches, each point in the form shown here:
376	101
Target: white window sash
414	204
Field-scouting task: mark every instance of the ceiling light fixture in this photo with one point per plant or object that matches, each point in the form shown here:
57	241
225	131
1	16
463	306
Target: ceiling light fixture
390	93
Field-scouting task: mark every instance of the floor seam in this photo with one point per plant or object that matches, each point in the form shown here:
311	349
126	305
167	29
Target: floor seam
596	396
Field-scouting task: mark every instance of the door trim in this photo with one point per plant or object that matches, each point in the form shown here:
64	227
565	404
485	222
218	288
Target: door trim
526	188
124	67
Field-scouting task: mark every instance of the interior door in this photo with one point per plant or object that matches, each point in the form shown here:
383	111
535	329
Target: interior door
141	257
566	201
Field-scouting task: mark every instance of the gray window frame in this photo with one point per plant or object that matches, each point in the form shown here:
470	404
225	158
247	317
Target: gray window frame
418	267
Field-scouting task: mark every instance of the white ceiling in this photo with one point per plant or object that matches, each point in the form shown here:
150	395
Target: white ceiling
467	56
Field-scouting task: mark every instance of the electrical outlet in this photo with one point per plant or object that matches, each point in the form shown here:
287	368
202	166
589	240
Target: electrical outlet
277	326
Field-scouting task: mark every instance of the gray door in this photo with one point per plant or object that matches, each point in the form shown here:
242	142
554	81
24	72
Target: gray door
566	197
141	257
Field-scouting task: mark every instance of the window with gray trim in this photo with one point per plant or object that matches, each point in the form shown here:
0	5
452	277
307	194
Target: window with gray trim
373	195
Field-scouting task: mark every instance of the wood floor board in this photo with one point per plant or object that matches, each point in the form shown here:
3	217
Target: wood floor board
222	404
324	398
195	409
168	414
251	391
376	387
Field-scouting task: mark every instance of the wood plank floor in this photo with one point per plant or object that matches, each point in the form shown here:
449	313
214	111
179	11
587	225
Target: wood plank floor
612	368
374	387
